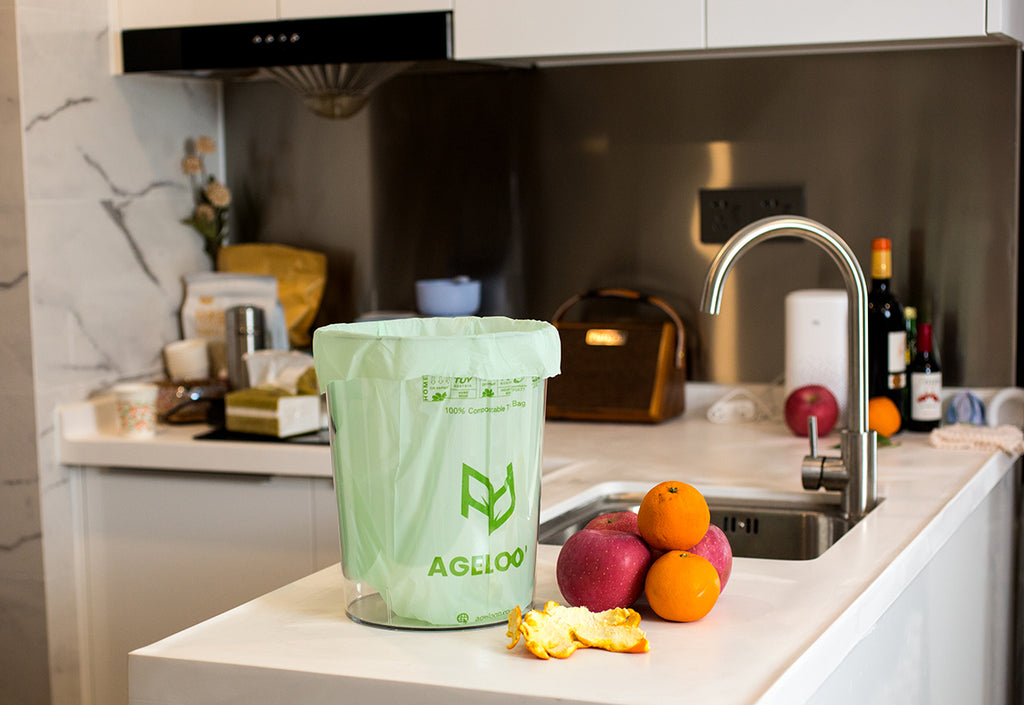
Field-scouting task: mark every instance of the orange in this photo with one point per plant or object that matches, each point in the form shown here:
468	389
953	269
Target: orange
883	416
682	587
673	516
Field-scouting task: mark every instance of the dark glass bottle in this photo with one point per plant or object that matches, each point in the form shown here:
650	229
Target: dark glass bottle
925	384
887	333
910	315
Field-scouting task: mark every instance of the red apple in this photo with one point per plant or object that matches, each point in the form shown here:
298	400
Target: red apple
807	401
600	569
615	521
715	547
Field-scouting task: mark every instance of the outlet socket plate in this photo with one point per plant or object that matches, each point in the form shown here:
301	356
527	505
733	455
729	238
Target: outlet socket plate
724	211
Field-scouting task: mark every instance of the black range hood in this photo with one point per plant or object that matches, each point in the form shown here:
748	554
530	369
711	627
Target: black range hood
420	36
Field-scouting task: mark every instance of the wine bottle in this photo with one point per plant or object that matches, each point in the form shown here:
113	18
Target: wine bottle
925	384
887	333
910	314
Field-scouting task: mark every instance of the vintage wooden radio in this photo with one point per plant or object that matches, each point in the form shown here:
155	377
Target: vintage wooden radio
629	370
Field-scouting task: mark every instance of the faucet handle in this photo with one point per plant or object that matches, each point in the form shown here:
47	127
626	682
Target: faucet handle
821	471
813	465
812	434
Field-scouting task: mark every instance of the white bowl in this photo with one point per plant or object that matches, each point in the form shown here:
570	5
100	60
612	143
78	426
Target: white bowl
458	296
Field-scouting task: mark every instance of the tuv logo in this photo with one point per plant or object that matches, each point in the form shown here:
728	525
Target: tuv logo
492	499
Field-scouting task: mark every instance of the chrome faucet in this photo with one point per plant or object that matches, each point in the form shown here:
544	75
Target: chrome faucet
853	474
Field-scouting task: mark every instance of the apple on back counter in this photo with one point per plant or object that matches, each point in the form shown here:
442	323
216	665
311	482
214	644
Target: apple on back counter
811	400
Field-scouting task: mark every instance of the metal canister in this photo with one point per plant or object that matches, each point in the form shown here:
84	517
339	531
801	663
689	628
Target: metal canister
244	333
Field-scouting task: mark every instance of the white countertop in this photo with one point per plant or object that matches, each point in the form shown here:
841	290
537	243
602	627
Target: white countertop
778	629
88	436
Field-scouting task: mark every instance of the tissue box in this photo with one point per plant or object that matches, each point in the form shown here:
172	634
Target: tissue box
271	412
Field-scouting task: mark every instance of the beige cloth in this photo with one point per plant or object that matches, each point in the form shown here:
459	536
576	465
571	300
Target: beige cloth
962	436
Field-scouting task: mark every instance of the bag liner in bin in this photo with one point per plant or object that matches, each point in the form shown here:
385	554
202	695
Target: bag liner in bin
436	432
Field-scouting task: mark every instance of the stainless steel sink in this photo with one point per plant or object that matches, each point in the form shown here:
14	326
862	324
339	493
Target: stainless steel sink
800	527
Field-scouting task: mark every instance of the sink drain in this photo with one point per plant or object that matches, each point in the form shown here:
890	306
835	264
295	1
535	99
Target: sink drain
732	524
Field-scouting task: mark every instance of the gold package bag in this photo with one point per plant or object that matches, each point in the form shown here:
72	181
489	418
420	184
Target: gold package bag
301	277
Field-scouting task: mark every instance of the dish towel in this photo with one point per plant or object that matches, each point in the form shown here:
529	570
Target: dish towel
961	436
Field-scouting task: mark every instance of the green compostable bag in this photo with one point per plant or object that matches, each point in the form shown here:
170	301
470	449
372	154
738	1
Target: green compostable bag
436	447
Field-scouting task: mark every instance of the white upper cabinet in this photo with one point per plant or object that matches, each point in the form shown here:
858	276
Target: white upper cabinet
1006	17
752	23
141	14
524	29
498	29
511	29
291	9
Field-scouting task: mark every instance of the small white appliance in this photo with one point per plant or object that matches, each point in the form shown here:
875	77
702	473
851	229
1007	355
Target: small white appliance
816	342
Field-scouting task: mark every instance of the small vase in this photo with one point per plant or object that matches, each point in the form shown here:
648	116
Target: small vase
211	246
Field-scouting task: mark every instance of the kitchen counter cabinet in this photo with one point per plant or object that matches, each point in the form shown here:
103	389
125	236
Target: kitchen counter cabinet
919	595
914	604
162	550
171	530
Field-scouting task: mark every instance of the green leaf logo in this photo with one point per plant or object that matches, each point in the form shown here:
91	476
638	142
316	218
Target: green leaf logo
492	499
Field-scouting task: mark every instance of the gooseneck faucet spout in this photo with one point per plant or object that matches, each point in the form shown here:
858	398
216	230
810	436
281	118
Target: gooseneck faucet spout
854	474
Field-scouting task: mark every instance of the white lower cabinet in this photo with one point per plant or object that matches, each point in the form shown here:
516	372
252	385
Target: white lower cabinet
165	550
496	29
950	637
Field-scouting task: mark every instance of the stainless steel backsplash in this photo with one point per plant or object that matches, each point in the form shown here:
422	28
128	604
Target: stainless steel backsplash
551	181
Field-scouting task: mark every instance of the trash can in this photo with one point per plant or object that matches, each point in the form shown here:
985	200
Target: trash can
436	431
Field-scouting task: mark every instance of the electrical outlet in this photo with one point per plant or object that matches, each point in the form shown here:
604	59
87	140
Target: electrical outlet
724	211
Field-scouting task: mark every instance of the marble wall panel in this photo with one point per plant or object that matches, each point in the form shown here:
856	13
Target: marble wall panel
89	134
23	677
107	253
132	255
23	645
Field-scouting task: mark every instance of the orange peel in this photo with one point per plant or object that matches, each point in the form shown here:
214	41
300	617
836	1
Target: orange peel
559	631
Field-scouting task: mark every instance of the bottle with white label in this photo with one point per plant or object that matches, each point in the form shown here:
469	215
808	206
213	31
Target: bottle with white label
925	384
887	333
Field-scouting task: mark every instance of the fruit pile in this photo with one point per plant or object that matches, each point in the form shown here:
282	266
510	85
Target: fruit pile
668	550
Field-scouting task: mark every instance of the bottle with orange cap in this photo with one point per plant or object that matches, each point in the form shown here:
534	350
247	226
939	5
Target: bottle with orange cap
887	333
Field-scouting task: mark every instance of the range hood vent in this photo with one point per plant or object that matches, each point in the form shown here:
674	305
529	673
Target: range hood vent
335	90
334	63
